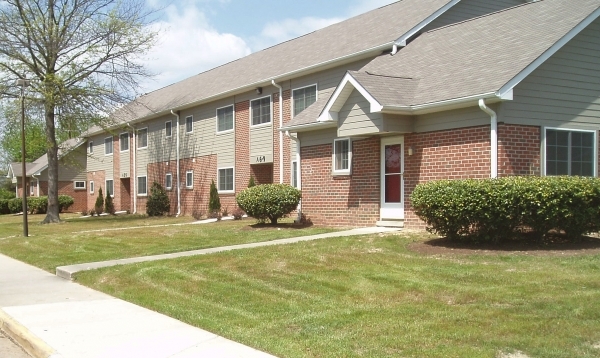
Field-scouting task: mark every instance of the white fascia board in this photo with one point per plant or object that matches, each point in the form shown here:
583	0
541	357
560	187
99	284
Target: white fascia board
402	40
9	171
447	104
328	115
549	52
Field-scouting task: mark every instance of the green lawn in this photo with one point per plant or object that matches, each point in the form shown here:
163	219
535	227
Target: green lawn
371	297
77	240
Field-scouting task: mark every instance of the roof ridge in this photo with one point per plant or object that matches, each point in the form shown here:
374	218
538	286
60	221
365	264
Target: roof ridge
484	15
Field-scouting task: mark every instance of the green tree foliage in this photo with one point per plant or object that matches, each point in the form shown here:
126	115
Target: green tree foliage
99	207
214	202
269	201
158	202
84	59
109	206
10	138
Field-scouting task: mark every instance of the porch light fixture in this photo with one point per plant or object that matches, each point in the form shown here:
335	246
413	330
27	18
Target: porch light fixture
22	82
411	151
258	90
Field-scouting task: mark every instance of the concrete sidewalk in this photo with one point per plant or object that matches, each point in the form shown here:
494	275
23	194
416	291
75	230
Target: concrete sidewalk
68	271
53	317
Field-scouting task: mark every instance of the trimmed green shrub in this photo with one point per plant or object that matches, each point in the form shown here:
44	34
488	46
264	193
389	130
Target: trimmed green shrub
15	205
496	209
214	202
65	202
109	206
251	182
37	205
99	206
158	201
269	201
7	194
4	207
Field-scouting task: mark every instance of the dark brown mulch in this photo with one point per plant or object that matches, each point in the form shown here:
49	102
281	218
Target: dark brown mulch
554	246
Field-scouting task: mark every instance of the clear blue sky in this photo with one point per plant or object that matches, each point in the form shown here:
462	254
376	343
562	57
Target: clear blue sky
197	35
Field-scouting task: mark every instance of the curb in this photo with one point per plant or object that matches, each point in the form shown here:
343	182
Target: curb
30	343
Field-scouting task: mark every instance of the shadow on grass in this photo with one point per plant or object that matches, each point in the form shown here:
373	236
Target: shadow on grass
266	226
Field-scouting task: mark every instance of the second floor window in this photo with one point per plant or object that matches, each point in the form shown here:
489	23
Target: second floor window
142	138
124	142
189	124
304	97
108	146
261	111
224	119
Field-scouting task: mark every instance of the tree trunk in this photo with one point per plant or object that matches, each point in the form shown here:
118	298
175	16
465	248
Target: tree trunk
52	215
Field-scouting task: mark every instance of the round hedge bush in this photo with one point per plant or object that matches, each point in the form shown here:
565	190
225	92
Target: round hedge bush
269	201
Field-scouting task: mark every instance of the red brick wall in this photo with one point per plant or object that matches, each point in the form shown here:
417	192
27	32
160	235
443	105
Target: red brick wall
98	178
262	173
286	141
116	172
518	150
242	146
343	201
80	196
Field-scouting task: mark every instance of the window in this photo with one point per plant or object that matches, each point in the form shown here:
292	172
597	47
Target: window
295	174
189	124
169	181
224	119
91	147
109	187
570	152
79	185
168	129
31	188
142	138
108	146
342	156
142	187
124	142
304	97
261	111
189	179
225	179
91	187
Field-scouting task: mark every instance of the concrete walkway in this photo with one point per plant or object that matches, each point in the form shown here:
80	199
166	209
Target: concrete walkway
67	272
53	317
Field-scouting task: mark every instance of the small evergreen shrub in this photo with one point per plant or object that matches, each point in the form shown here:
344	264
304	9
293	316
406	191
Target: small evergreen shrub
214	202
99	207
84	213
197	214
4	209
225	212
237	214
65	202
92	212
496	209
109	206
269	201
158	201
251	182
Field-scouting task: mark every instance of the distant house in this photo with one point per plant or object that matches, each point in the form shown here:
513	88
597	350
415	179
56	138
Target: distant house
358	113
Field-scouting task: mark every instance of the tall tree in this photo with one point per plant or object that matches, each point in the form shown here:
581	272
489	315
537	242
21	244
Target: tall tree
84	59
10	137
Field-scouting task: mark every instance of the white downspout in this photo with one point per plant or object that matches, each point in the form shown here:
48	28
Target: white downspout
177	159
133	177
493	138
280	132
394	49
38	183
297	140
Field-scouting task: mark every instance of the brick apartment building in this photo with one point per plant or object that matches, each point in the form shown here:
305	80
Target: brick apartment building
360	112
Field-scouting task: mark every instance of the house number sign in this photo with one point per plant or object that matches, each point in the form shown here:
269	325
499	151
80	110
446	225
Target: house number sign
124	175
261	159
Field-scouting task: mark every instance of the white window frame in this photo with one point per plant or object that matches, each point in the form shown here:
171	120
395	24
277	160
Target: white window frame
347	171
544	147
91	187
112	148
138	185
217	120
31	188
138	141
121	143
186	179
169	187
299	88
78	188
106	187
228	191
91	147
191	118
292	176
169	135
270	112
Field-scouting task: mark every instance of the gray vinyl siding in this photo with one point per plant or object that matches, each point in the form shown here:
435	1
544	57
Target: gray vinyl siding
320	137
565	90
97	160
458	118
160	148
355	119
204	140
125	161
468	9
72	166
261	143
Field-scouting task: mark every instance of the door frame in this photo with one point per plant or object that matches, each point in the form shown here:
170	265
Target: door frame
392	211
